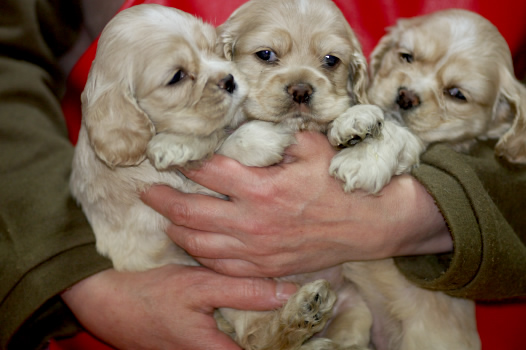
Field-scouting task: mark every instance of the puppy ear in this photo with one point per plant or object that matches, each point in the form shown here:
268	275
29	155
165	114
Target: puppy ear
225	42
118	129
512	145
359	79
384	45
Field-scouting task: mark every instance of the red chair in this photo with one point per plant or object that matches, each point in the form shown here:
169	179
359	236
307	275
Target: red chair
501	325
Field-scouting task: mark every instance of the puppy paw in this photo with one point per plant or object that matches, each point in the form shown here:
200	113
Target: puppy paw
310	308
167	150
258	143
357	123
371	164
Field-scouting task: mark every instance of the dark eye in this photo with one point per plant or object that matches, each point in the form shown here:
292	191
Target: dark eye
407	57
331	61
267	56
455	93
177	77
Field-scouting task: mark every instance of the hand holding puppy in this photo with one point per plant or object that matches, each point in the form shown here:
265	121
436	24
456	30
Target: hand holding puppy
169	307
280	218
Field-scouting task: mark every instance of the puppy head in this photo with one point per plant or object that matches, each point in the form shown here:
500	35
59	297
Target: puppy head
303	61
450	75
156	71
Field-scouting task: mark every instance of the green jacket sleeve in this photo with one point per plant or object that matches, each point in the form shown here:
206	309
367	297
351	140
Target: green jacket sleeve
484	205
46	244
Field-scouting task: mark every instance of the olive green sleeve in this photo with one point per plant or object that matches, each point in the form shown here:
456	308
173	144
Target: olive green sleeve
46	244
484	205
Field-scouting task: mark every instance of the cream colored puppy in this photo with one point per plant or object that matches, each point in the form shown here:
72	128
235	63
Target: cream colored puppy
306	69
158	97
447	77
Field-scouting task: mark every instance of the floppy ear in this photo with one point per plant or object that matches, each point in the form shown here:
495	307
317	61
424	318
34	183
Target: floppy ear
512	145
229	31
225	42
384	45
358	79
118	129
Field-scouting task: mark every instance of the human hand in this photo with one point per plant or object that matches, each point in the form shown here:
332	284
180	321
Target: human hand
293	217
167	308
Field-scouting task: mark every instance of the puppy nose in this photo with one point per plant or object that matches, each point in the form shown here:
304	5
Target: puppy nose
407	99
300	92
228	83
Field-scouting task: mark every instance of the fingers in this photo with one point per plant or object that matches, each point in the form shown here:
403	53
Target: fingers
208	245
191	210
252	293
221	174
310	144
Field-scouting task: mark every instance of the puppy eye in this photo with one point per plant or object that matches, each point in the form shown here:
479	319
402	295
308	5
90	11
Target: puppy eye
267	56
455	93
407	57
177	77
331	61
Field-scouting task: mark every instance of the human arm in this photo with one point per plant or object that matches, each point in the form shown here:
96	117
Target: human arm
167	308
483	203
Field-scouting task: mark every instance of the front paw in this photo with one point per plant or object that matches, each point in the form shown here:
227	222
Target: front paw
361	168
258	143
310	308
357	123
167	150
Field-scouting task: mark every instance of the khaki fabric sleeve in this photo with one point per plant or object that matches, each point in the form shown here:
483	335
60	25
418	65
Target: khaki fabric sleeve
483	203
46	244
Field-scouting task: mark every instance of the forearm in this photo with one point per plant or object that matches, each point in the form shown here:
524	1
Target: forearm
484	216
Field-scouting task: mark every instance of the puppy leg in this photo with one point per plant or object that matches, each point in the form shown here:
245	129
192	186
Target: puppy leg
357	123
370	164
305	314
166	149
350	328
258	143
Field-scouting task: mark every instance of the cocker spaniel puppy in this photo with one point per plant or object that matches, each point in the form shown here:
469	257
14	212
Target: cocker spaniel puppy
156	96
449	78
305	69
446	77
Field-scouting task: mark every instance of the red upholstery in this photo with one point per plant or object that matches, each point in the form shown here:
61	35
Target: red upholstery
501	326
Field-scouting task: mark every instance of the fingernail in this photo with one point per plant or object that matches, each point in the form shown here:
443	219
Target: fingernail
284	290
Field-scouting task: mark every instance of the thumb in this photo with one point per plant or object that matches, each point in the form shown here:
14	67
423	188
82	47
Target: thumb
258	294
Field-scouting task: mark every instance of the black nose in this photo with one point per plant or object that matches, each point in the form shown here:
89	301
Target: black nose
407	99
300	93
228	83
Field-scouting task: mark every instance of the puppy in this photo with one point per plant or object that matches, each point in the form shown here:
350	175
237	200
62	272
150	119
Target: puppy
306	69
158	97
446	77
452	85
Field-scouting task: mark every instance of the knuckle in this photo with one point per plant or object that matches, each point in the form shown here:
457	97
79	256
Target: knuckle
179	214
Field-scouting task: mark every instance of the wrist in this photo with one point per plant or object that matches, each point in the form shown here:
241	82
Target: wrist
419	227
